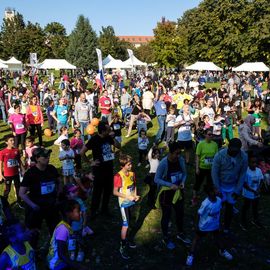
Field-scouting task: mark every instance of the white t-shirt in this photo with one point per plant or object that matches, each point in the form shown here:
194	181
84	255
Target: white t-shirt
171	120
67	163
59	140
208	111
209	215
184	131
253	180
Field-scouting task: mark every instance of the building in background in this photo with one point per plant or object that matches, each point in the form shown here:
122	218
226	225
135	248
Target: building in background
137	41
9	13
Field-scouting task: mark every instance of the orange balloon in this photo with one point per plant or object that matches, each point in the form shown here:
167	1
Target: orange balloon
90	129
47	132
95	122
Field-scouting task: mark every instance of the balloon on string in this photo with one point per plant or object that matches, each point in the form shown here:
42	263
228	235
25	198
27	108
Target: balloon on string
47	132
90	129
95	122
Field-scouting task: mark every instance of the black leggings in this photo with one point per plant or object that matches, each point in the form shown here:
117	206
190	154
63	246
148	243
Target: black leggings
8	181
37	127
20	140
142	155
166	198
204	174
246	205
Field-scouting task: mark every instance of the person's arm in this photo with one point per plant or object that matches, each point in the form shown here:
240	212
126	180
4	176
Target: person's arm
58	141
184	172
248	138
242	174
1	171
53	114
41	116
5	262
64	256
149	155
197	161
23	193
215	171
159	175
76	113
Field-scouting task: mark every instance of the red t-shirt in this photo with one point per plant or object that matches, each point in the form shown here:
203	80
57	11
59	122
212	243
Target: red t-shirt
105	102
10	158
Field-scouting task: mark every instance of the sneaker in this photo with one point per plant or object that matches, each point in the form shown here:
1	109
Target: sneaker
132	244
124	252
139	164
20	205
80	256
189	260
257	224
183	238
228	256
169	244
72	256
243	227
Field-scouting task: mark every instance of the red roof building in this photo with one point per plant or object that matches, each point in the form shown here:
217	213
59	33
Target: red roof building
137	41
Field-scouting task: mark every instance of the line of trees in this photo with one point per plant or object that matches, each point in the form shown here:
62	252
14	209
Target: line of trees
18	39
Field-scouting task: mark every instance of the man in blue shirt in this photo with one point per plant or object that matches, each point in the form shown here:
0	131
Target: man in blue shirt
161	113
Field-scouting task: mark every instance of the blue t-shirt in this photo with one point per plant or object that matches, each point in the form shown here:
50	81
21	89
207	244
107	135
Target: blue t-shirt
160	108
77	225
61	113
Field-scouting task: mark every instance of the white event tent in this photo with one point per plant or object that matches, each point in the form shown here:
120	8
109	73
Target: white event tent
135	62
117	64
13	64
56	64
2	65
106	60
204	66
251	67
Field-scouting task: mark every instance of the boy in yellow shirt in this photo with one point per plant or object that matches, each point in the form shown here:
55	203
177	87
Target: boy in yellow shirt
125	190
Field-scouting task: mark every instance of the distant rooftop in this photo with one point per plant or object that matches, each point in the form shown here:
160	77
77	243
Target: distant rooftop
137	40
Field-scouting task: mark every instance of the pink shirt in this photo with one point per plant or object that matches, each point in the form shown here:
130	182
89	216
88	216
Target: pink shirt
29	153
76	145
18	123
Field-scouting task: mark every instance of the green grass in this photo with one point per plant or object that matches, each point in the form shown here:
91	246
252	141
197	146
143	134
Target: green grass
250	249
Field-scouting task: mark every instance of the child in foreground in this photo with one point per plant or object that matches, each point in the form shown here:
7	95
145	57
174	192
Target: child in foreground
61	242
209	222
125	190
18	254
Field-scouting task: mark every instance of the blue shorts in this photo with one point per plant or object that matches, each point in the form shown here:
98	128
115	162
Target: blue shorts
227	197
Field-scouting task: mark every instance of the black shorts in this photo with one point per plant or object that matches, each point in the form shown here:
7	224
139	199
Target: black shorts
186	144
78	161
8	179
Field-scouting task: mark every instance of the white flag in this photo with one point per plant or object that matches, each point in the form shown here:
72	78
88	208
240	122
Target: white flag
131	56
100	67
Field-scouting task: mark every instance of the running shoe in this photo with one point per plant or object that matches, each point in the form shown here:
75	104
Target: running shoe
183	238
124	252
169	244
228	256
132	244
189	261
257	224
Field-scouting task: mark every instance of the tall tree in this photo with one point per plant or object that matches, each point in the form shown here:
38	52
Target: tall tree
82	44
109	43
165	44
56	39
145	53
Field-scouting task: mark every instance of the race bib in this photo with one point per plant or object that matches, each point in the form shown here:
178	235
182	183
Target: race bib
237	103
84	108
107	152
187	127
163	106
34	114
176	178
19	126
64	112
12	163
208	160
116	126
47	187
257	120
108	157
226	108
72	244
107	102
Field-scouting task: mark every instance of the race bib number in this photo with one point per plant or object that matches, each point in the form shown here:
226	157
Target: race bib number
72	244
64	112
116	126
163	106
187	127
19	126
34	114
12	163
208	160
257	120
107	152
84	108
107	102
237	103
226	108
176	178
47	187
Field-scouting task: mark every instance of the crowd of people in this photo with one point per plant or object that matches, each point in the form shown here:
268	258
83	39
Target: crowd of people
216	131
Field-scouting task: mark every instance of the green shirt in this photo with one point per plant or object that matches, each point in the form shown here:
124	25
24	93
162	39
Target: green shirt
206	152
257	120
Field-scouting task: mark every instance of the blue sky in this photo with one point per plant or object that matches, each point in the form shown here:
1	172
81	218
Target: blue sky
137	17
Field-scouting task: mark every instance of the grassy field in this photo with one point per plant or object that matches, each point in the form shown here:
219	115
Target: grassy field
250	249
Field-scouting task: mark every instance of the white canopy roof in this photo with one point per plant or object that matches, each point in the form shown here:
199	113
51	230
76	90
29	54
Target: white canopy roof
116	63
204	66
252	66
56	64
2	65
106	60
136	62
13	64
